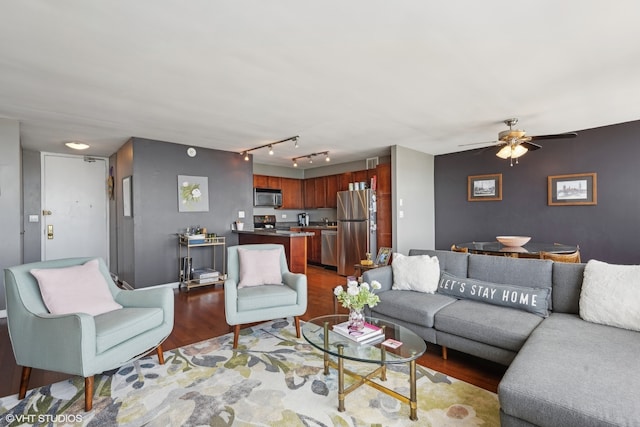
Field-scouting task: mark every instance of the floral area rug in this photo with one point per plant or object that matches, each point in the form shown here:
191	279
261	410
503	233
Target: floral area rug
272	379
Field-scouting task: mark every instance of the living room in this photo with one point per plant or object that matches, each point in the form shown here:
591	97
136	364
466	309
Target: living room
425	117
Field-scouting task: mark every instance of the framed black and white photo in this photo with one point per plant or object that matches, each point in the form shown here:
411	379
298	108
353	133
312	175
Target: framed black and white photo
573	189
484	188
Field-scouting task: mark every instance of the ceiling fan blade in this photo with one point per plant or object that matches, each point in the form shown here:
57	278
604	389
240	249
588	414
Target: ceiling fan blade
478	143
530	145
557	136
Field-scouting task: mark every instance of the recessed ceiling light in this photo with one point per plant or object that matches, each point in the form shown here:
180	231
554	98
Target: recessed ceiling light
77	145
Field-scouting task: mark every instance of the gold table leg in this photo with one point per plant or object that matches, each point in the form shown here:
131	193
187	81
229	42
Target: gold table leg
340	378
413	403
326	348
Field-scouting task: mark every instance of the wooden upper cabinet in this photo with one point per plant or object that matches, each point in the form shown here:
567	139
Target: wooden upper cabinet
320	192
332	191
360	176
263	181
383	178
343	181
310	193
292	193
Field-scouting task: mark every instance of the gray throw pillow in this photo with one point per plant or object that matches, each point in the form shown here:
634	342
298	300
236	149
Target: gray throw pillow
533	300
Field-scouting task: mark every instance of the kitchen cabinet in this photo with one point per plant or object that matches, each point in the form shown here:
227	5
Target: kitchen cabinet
264	181
331	190
320	192
310	193
383	195
292	193
314	243
360	176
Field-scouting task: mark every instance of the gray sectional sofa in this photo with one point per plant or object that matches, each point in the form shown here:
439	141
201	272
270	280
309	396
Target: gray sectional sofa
563	371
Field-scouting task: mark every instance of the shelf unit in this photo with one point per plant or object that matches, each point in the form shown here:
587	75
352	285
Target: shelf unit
185	245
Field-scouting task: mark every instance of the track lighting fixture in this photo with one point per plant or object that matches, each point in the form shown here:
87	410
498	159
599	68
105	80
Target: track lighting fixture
245	153
311	156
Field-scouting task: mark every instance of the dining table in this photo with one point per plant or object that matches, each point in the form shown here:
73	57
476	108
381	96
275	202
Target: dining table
529	250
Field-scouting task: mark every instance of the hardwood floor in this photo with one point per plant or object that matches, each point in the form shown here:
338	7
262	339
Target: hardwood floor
199	315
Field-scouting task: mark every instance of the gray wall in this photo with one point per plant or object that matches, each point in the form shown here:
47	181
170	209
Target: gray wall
609	231
32	200
10	200
412	194
147	242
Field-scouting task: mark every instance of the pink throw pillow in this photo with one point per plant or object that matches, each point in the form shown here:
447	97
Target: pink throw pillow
76	289
259	267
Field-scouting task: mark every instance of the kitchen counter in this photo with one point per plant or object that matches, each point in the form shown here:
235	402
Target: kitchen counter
272	232
294	242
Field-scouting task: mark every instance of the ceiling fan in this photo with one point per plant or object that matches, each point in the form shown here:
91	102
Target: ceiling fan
515	143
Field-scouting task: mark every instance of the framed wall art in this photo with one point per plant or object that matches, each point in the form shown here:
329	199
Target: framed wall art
573	189
193	193
126	196
484	188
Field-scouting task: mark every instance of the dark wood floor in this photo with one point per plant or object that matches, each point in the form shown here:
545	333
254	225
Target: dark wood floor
199	315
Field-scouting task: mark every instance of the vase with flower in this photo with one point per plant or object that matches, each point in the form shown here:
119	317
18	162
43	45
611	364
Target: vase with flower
355	297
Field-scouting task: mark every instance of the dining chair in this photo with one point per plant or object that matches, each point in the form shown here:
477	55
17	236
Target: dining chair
455	248
57	320
260	287
573	257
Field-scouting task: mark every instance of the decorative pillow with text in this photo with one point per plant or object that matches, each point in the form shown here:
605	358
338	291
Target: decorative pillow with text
533	300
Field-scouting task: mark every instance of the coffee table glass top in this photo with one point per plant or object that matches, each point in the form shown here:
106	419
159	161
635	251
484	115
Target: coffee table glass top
412	345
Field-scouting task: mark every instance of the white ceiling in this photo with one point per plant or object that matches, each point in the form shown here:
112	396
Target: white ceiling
351	76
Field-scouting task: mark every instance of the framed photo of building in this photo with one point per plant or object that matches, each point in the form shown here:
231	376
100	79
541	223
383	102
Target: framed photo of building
484	188
573	189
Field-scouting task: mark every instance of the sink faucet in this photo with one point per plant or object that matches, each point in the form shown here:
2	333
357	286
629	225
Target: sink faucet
326	220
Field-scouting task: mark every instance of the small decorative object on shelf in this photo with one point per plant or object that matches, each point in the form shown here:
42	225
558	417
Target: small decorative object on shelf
355	297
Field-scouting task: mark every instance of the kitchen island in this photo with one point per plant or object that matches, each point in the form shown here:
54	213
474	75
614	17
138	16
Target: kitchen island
294	242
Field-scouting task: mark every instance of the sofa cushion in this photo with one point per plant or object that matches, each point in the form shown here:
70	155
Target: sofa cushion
259	267
116	327
573	373
412	306
415	273
611	295
533	273
75	289
258	297
567	282
502	327
533	300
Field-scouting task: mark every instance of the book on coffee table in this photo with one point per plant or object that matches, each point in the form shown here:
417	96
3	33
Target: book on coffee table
368	332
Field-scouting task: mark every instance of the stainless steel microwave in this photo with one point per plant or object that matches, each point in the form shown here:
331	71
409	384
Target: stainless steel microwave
267	197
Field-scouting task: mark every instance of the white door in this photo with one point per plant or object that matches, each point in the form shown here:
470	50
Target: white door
74	207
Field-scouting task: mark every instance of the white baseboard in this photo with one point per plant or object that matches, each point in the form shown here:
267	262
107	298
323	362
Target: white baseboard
3	314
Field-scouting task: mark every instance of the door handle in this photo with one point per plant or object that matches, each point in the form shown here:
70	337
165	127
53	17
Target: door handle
50	232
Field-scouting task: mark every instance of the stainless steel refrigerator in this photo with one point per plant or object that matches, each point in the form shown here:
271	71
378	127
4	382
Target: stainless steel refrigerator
356	228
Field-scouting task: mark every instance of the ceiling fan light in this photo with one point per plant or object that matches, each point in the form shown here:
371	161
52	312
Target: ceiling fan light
512	152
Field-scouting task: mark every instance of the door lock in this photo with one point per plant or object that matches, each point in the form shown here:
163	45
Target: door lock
46	212
50	232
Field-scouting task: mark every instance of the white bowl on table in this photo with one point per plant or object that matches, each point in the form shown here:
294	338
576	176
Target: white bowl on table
513	241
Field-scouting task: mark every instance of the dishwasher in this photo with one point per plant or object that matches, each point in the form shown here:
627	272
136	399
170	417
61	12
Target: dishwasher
329	247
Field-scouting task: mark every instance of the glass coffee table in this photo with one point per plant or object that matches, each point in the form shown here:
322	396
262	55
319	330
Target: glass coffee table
319	333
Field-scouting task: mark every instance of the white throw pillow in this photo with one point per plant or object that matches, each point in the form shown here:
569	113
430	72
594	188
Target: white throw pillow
611	295
415	273
76	289
259	267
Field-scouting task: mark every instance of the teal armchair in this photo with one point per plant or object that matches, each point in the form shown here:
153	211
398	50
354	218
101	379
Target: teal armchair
266	302
79	343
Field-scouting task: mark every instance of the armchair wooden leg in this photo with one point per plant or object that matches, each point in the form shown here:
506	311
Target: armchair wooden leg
444	352
24	381
236	334
88	393
160	354
297	319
